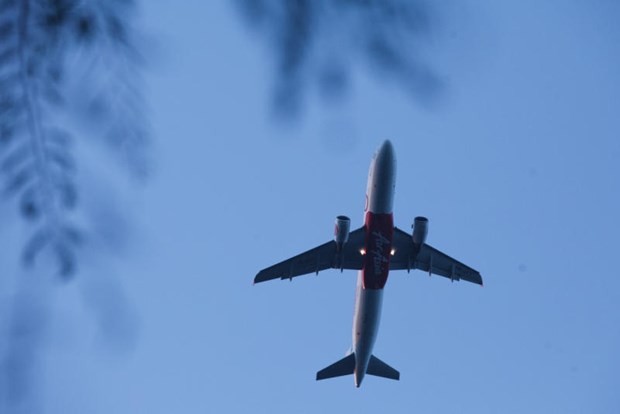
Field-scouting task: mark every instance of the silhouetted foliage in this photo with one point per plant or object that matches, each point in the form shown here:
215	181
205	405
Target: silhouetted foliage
319	41
48	50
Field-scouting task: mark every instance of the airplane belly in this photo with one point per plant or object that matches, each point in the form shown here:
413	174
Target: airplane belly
366	325
379	235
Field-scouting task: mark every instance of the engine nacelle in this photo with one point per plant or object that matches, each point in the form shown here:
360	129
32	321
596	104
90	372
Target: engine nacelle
420	230
341	230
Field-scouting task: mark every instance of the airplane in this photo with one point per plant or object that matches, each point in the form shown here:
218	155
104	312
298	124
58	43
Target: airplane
374	249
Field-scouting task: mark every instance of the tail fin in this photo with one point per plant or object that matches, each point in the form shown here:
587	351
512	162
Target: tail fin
345	366
379	368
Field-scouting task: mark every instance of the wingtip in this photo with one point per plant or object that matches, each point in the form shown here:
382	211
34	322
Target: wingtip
258	278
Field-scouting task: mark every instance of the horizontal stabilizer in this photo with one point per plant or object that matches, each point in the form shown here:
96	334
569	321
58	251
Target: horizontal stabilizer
345	366
379	368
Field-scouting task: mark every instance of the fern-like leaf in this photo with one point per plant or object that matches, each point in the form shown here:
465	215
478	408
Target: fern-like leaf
36	158
35	244
29	203
16	157
18	180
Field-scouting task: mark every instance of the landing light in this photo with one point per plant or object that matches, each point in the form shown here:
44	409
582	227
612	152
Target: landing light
392	252
362	252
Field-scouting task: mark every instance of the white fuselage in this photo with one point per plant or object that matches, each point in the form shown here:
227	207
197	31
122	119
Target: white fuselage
378	245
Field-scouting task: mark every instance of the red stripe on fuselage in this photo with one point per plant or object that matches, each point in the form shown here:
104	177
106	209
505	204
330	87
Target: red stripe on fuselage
379	233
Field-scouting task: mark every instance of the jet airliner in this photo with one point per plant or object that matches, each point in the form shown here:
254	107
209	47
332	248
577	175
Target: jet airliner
374	249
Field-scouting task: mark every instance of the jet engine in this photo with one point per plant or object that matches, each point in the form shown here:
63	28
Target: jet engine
420	230
341	230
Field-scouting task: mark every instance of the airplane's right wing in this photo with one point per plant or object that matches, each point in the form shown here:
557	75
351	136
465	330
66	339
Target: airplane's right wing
429	260
320	258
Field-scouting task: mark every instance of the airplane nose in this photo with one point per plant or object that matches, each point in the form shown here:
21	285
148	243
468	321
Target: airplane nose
387	145
386	151
386	159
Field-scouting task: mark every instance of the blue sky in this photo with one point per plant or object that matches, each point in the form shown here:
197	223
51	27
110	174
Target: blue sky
516	168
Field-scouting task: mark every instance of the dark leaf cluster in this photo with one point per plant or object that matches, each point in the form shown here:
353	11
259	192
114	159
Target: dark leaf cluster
319	41
37	161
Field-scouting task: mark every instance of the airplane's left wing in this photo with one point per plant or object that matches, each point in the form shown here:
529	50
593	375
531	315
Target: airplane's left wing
320	258
429	260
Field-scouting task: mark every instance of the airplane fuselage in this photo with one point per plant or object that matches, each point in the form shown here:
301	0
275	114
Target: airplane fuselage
379	224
